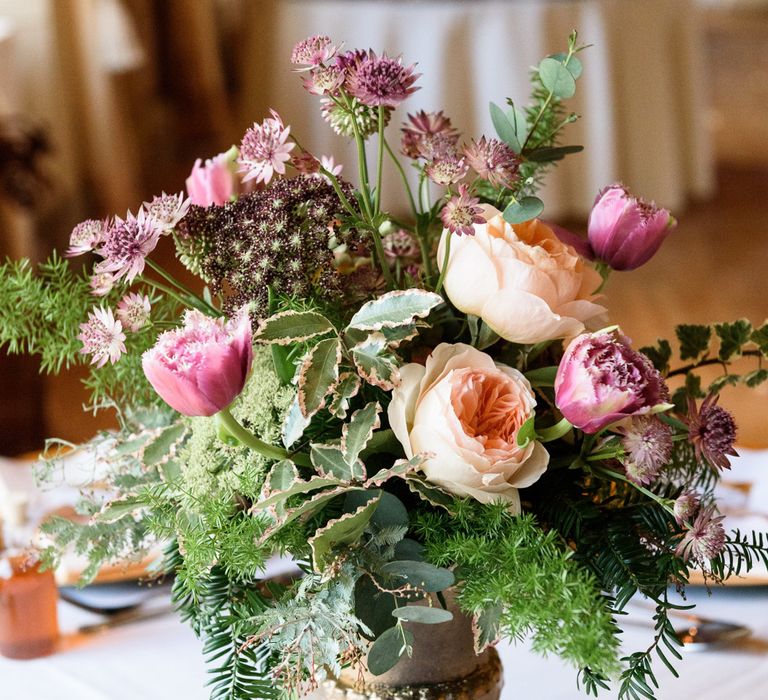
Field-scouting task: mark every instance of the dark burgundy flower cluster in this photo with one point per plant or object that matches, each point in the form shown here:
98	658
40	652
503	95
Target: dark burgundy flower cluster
287	237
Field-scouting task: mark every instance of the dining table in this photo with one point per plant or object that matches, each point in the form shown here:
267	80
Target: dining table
159	657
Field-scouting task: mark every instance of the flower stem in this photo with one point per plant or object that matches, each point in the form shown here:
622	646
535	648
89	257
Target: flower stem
165	289
379	163
446	257
404	177
193	298
610	474
247	438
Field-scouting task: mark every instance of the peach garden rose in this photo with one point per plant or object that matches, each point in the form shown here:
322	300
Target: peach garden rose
522	280
465	410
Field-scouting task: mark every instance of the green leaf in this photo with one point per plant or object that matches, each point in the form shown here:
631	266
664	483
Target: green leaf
346	529
574	65
282	477
164	445
292	327
391	512
427	577
486	627
526	433
724	380
409	549
524	210
551	154
517	117
329	460
755	378
294	424
119	509
543	376
694	340
376	365
504	128
659	355
693	386
423	614
346	389
319	374
373	606
400	468
386	651
430	493
395	309
760	338
732	337
557	78
356	434
298	487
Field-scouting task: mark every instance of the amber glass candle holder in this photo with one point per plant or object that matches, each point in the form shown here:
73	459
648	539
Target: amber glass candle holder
28	618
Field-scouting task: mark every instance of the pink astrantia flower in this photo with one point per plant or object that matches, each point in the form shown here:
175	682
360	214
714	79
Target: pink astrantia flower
86	236
602	379
102	283
200	368
102	336
167	210
461	212
265	149
625	231
313	51
215	181
133	311
331	166
446	171
127	244
647	444
400	245
494	161
686	506
712	432
424	131
380	80
324	80
706	538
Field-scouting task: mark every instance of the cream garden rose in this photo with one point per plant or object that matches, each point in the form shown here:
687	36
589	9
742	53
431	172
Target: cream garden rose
465	411
522	280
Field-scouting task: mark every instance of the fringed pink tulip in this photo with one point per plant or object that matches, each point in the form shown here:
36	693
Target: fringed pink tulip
215	181
201	368
602	380
625	231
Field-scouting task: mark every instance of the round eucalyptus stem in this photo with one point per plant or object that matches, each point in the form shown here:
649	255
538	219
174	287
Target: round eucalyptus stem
247	438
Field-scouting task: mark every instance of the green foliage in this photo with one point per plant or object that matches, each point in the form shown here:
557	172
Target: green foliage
732	337
531	568
694	340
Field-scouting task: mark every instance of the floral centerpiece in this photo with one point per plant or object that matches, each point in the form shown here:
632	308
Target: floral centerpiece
428	411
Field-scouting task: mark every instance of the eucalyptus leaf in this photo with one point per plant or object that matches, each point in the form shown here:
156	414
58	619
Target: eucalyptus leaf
420	574
391	512
422	614
523	210
387	650
409	549
504	128
557	78
574	66
373	606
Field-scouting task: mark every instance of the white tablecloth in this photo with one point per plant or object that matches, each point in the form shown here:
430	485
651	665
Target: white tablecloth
160	660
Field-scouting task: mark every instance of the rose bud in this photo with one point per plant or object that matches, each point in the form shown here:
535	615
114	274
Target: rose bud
200	368
602	380
214	182
625	231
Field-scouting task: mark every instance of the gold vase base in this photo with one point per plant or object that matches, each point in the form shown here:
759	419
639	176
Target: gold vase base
484	683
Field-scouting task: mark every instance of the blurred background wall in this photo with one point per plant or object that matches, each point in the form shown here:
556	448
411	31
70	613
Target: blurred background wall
127	93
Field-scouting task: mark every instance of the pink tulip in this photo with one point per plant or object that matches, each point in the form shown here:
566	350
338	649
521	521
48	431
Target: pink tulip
200	368
625	231
602	380
214	182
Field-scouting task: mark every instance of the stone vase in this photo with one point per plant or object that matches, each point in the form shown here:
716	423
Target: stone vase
444	666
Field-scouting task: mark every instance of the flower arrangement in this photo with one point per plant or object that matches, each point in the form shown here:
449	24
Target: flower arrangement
393	401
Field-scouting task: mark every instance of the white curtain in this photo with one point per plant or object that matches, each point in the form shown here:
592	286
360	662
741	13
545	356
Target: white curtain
642	95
